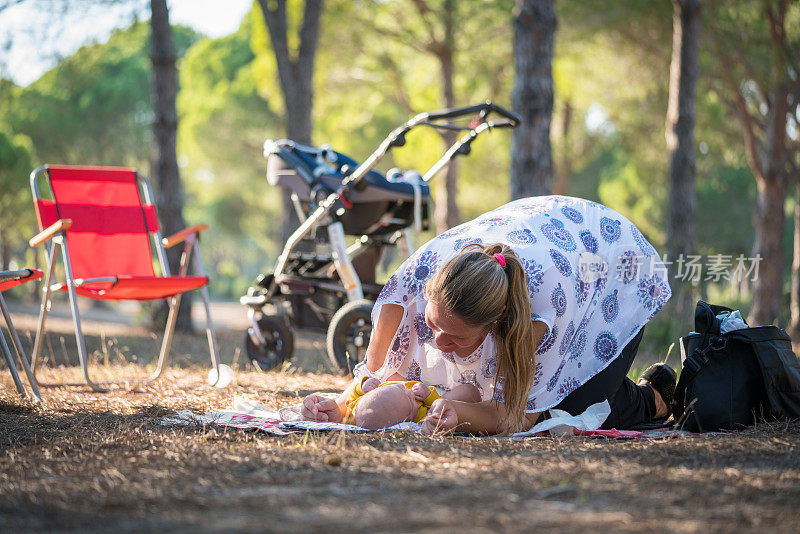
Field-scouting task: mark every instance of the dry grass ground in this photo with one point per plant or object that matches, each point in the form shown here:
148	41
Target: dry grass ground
90	462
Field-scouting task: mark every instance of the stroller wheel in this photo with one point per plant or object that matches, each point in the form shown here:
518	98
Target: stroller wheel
277	347
349	334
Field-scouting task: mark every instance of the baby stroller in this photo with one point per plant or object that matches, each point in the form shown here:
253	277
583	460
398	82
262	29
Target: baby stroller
318	281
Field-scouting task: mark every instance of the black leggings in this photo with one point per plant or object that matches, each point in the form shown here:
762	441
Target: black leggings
631	405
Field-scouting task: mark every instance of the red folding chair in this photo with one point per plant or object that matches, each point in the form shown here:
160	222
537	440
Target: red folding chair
105	222
9	279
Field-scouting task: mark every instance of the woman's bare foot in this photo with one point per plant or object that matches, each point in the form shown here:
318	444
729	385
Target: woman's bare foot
661	407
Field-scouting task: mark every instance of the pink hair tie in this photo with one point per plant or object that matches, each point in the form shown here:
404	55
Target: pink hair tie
500	259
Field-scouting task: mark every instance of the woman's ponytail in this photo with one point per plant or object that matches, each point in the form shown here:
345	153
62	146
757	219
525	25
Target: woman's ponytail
515	352
486	285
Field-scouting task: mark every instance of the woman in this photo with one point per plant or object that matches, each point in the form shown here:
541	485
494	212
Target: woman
549	314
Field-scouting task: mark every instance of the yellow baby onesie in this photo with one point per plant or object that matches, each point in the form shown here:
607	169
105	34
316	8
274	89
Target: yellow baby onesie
355	392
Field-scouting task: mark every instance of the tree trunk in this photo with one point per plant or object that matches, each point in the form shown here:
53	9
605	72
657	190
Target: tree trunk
164	162
295	75
531	158
684	71
5	250
772	185
564	170
794	325
446	213
769	220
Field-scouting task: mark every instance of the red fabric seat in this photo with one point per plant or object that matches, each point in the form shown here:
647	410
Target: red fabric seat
8	284
110	233
104	222
140	287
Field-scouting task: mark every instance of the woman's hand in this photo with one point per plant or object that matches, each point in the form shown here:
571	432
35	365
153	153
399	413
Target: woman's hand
321	409
442	417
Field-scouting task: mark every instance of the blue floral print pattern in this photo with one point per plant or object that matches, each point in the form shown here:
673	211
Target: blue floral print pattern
610	307
559	300
469	377
569	385
389	288
555	232
578	341
417	274
644	246
452	232
459	244
561	262
399	349
582	291
572	214
533	275
628	267
653	292
605	346
548	340
414	371
492	222
551	384
424	332
589	241
567	339
490	370
610	229
521	237
538	373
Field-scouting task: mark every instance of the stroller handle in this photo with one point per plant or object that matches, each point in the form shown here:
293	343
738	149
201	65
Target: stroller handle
396	139
484	109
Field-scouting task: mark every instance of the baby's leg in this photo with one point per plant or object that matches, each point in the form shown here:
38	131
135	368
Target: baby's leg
464	393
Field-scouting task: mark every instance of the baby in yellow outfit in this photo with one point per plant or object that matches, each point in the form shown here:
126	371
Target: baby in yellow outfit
372	404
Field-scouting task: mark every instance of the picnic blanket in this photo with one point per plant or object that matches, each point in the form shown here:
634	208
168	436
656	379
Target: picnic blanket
248	414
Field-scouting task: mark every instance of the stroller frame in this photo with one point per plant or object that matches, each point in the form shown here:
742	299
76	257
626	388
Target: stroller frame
329	211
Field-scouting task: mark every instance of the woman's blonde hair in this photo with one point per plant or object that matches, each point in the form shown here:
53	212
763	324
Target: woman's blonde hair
482	292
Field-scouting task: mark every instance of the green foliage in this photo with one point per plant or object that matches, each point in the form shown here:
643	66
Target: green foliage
16	213
225	119
94	107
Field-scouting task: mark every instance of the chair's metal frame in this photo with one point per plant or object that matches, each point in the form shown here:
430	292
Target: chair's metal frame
15	275
54	237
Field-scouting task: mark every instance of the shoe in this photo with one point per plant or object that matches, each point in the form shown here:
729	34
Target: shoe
663	379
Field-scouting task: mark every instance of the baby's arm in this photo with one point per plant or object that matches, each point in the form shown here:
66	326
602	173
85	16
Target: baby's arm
318	408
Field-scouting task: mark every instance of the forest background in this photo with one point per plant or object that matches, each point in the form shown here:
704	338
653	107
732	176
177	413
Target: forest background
375	67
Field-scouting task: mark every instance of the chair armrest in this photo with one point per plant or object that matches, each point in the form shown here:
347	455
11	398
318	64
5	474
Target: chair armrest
180	237
47	234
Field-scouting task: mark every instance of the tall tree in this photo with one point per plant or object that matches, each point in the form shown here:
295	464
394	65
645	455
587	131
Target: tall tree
409	56
446	213
760	89
531	155
164	161
794	305
424	30
295	73
684	71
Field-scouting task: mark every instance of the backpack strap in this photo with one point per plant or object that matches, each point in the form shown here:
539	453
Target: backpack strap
707	324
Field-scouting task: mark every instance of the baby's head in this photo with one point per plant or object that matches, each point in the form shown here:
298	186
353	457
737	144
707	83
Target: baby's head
386	406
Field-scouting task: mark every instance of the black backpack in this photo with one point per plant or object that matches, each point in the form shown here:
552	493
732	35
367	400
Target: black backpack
728	381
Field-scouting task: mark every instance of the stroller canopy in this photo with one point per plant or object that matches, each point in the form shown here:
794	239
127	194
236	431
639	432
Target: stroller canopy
303	168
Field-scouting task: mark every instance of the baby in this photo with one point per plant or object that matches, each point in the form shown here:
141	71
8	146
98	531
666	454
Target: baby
373	404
